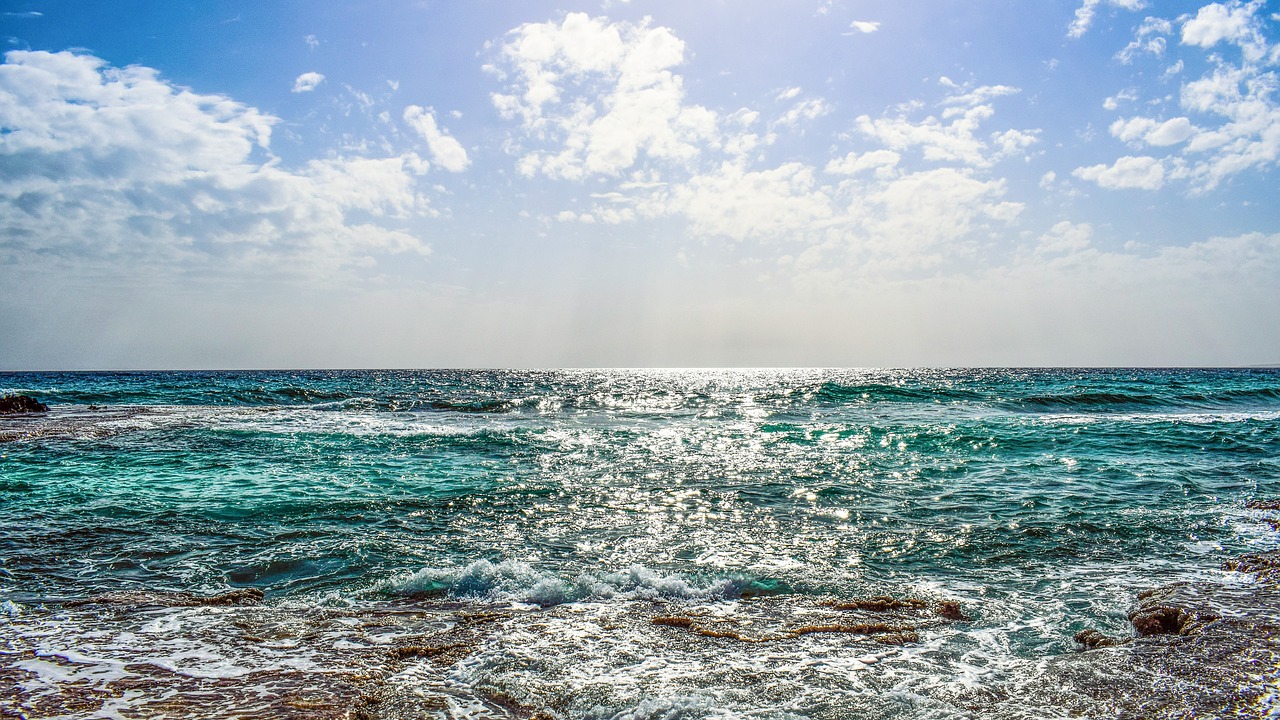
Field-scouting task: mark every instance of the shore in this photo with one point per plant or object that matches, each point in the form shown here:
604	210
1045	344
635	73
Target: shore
1198	649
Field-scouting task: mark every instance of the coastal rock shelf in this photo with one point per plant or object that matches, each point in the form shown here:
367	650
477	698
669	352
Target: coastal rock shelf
170	653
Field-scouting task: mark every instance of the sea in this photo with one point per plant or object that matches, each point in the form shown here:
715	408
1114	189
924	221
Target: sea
638	544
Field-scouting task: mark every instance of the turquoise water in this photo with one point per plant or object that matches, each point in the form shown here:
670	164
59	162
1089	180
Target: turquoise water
1041	500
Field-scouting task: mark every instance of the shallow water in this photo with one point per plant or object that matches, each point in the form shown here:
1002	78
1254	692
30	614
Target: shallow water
581	505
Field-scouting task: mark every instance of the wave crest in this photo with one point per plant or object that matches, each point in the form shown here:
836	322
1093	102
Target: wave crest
514	580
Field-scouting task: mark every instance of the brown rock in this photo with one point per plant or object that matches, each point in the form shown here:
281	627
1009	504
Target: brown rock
1092	639
241	596
1158	620
950	610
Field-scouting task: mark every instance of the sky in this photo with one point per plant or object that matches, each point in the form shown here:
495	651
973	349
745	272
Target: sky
857	183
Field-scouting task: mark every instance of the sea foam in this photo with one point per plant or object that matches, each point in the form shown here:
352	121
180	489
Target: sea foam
518	581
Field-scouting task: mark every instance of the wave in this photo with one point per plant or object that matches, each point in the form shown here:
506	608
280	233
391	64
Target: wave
1253	398
834	392
513	580
493	392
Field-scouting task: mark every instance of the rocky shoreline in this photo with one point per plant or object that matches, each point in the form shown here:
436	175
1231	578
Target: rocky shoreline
1208	648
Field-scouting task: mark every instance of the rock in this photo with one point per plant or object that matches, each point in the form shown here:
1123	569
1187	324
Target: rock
15	404
882	603
242	596
1265	565
1092	639
1160	612
1158	620
950	610
1263	505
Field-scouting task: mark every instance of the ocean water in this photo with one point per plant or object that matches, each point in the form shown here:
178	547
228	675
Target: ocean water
626	543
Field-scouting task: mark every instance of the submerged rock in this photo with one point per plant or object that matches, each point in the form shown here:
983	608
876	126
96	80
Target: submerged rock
242	596
16	404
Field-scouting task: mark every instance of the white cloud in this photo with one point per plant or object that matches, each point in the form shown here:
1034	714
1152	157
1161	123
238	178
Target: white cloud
1233	22
311	41
864	26
1143	130
951	137
1171	132
1126	95
1151	38
445	150
741	204
1146	173
306	82
882	162
973	97
599	100
1232	119
914	214
596	98
117	165
1132	129
1065	238
809	109
1085	13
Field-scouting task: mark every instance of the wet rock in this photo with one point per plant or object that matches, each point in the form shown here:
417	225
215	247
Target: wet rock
1158	614
894	634
241	596
1263	504
18	404
452	652
882	603
950	610
1092	639
1265	565
1158	620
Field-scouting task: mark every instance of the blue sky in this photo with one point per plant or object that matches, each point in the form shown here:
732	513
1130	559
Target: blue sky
364	184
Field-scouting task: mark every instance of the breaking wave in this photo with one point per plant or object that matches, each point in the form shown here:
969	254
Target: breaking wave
517	581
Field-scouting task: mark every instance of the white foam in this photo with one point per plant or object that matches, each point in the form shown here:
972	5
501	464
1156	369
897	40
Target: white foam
518	581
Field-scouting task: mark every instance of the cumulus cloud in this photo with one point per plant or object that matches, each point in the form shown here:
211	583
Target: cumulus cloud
600	100
864	26
736	203
116	164
1233	22
596	98
953	135
1151	38
881	162
1085	13
1144	172
1231	120
444	149
1065	238
306	82
1143	130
